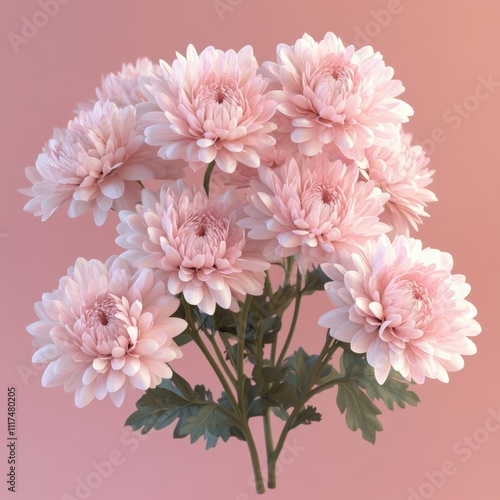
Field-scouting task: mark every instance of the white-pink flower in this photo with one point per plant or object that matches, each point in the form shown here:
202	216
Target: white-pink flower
335	96
123	87
400	170
210	106
104	328
94	163
399	303
241	177
195	243
311	209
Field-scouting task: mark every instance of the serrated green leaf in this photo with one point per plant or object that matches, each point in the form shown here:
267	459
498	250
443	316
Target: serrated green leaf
299	366
280	412
357	376
393	391
207	421
282	394
266	375
361	412
196	413
315	281
306	417
156	409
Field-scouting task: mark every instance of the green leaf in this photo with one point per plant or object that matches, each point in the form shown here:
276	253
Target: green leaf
356	377
266	312
183	339
392	391
266	374
299	366
280	413
361	412
209	422
196	413
315	281
282	394
306	417
222	320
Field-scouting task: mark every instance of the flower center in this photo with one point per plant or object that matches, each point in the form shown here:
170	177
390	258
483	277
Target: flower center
329	196
322	196
204	234
421	303
336	71
220	93
100	320
330	80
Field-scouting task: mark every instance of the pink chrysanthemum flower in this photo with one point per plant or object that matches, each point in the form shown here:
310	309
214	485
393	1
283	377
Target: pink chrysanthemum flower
241	177
95	162
336	96
209	107
104	328
313	209
123	87
196	244
400	170
400	304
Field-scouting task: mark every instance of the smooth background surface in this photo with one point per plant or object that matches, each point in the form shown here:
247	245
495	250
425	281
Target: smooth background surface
440	50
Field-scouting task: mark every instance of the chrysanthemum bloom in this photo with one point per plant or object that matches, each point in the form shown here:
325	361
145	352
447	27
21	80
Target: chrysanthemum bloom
400	304
241	177
123	87
209	107
400	170
196	244
95	163
313	209
336	96
104	328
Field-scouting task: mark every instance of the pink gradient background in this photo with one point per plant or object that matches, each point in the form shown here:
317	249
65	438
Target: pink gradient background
439	50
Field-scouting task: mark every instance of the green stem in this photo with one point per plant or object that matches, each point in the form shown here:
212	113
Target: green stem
288	270
221	359
240	373
206	178
273	353
254	455
239	410
271	476
326	354
199	342
326	385
267	286
230	354
298	298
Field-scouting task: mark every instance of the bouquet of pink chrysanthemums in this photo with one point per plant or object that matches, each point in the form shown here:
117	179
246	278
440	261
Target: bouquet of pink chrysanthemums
300	164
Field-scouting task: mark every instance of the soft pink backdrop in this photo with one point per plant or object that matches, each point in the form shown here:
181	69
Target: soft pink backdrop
439	50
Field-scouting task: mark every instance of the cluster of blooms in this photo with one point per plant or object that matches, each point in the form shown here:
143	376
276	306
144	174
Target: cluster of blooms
310	160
